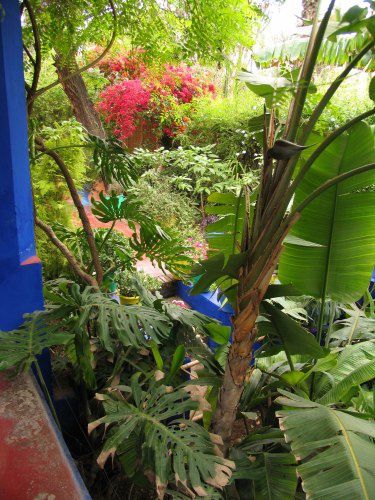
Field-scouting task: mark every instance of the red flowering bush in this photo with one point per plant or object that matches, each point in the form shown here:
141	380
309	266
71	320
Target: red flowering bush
162	96
128	66
122	104
183	84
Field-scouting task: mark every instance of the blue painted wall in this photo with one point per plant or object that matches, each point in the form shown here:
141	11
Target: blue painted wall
20	270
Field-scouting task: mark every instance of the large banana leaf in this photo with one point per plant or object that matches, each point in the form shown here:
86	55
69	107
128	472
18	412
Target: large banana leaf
267	476
334	448
225	234
341	219
294	338
356	325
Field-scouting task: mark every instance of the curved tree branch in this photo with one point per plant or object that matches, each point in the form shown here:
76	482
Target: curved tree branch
66	252
78	204
89	65
37	62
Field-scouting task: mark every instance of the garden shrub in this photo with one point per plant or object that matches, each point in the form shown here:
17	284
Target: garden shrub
160	200
196	170
174	211
350	100
224	122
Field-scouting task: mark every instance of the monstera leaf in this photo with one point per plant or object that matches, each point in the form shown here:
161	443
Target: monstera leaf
113	163
341	220
19	348
170	444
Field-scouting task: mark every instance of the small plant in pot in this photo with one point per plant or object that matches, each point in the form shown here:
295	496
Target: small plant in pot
124	280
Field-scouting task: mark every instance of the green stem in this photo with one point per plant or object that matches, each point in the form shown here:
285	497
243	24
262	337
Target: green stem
102	245
46	393
331	91
289	358
331	320
331	182
320	149
315	42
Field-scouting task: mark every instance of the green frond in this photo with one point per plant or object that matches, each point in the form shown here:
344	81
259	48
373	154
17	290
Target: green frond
131	325
355	366
19	348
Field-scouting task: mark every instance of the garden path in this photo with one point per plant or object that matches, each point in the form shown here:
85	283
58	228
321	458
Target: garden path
145	264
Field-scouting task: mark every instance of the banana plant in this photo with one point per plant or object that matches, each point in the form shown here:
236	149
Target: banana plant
337	46
267	220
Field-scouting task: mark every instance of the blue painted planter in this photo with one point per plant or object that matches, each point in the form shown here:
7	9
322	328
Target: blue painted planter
208	303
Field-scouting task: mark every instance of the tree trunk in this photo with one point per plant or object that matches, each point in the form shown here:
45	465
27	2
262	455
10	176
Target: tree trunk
76	91
309	8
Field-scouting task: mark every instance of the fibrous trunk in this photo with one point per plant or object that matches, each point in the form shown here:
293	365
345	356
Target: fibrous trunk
239	358
309	9
240	352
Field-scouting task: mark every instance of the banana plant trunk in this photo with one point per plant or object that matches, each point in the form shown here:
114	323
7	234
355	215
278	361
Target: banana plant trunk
240	352
239	357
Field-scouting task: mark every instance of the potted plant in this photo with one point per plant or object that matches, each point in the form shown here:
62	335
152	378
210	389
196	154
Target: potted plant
125	291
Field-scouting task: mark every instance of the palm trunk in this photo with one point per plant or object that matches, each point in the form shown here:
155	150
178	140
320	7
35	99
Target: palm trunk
240	352
76	91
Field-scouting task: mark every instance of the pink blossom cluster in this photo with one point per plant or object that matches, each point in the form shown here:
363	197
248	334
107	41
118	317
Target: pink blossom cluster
129	66
200	249
122	104
183	84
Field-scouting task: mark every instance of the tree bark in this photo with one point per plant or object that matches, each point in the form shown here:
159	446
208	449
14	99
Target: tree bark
240	352
66	252
76	91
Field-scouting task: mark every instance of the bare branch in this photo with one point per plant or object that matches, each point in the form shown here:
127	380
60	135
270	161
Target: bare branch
66	252
38	57
78	204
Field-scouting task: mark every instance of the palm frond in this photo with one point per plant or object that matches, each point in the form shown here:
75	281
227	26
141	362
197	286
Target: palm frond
356	326
355	366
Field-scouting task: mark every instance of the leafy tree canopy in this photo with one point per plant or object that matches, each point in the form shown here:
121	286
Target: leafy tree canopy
167	30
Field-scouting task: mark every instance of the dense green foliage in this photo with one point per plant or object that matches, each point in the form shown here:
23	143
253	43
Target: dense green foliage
224	122
283	406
